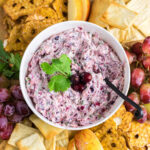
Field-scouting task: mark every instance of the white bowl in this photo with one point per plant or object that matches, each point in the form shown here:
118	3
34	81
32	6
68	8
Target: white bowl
105	35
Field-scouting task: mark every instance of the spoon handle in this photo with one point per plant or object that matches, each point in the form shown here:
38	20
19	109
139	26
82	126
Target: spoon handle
139	112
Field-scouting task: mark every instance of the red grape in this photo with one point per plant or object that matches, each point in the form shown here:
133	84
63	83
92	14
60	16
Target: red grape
146	45
137	77
75	79
5	134
3	122
131	57
144	118
16	118
9	110
145	93
4	95
78	87
1	108
137	48
134	97
146	63
148	116
22	108
140	57
86	77
16	92
4	82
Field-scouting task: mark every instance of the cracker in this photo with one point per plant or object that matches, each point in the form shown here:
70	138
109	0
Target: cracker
60	7
139	148
3	145
16	9
32	28
94	129
113	141
47	130
15	41
118	16
20	131
50	144
97	10
43	13
32	142
62	139
107	127
137	136
9	147
9	23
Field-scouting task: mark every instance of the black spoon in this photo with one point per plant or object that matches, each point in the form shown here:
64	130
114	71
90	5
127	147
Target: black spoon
139	112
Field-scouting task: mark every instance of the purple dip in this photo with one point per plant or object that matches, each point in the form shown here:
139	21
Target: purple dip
88	53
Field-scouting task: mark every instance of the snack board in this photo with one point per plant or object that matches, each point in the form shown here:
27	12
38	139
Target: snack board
121	131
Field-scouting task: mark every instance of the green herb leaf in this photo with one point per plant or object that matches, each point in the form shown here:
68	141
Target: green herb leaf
15	59
61	69
3	54
59	83
9	63
61	65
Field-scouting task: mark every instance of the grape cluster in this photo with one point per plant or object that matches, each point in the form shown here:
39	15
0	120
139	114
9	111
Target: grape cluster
79	81
139	59
12	106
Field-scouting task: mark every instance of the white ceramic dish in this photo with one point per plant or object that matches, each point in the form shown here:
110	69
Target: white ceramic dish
105	35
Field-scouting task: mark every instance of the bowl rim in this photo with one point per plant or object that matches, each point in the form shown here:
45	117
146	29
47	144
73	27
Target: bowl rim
23	88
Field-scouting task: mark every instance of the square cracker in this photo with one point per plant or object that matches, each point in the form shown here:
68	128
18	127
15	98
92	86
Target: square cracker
47	130
32	142
118	16
20	131
98	8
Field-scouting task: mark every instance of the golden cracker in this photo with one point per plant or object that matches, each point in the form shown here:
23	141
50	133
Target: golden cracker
16	9
113	141
15	41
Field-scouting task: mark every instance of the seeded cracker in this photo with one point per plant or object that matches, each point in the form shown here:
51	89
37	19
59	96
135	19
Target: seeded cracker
137	136
113	141
108	127
43	13
60	7
32	28
15	41
16	9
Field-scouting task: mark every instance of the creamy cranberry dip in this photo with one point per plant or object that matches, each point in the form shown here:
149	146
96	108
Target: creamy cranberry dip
88	53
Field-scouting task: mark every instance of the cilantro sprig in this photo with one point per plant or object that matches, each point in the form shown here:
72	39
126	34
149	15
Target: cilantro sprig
9	63
61	71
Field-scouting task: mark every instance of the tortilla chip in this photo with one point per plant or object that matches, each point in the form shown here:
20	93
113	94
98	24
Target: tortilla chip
15	41
47	130
137	136
32	142
43	13
50	144
3	145
9	147
139	148
118	16
97	10
113	141
20	131
60	7
94	129
32	28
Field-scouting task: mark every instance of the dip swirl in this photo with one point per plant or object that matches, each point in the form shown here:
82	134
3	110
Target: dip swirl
88	54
